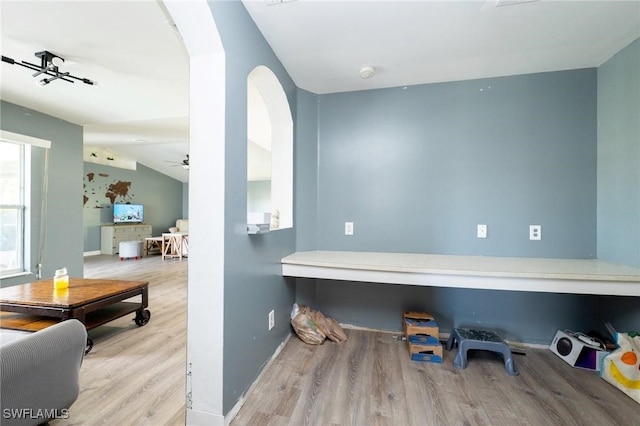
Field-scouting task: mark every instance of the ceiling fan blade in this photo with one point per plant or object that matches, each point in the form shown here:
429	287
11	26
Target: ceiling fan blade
184	163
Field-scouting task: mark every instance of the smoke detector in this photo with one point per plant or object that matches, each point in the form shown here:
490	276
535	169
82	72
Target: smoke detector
367	72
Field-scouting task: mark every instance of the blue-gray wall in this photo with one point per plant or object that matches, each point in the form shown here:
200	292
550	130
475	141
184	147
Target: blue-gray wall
259	196
160	194
417	168
305	171
63	220
185	201
253	283
619	177
619	157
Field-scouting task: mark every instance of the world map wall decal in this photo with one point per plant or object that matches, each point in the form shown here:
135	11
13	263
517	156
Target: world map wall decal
99	193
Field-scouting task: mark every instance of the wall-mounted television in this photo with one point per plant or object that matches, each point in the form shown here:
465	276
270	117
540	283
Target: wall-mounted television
128	213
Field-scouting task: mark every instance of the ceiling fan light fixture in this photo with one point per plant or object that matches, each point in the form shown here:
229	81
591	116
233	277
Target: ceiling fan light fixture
184	163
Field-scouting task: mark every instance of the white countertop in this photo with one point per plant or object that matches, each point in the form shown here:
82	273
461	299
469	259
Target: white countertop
579	276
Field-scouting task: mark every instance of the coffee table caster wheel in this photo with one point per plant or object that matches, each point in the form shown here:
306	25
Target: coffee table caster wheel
142	317
89	346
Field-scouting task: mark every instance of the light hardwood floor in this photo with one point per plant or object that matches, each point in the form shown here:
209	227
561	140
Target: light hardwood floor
135	376
370	380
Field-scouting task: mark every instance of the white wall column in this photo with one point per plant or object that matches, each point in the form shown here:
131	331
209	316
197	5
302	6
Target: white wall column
205	318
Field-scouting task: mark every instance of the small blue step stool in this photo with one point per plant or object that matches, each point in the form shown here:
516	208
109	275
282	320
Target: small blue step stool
479	339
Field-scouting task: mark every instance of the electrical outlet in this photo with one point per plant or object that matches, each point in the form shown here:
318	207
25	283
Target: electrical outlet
348	228
482	231
535	232
272	319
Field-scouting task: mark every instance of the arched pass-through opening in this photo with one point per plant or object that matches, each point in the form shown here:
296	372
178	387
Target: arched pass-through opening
270	151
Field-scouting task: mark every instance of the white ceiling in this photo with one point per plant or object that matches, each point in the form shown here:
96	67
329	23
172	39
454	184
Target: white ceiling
324	44
139	109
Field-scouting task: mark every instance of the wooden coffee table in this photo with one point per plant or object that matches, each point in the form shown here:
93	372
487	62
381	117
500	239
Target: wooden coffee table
94	302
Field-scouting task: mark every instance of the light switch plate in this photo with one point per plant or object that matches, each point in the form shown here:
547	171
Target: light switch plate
348	228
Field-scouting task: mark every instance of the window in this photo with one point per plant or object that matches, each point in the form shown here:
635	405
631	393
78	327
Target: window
14	191
16	198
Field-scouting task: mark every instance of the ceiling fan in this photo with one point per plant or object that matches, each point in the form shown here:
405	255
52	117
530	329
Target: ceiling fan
184	163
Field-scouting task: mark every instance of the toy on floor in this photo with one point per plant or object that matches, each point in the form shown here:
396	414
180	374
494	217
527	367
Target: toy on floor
468	339
621	367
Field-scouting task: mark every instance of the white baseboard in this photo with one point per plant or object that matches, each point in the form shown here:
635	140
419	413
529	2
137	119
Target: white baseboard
443	337
91	253
357	327
199	418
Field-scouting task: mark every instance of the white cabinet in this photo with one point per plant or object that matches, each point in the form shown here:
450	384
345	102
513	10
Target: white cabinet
112	235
